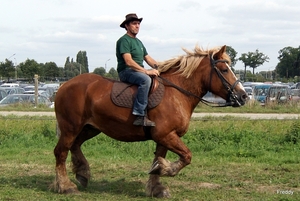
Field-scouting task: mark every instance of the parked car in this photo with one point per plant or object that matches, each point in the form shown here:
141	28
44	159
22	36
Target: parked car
49	90
3	93
9	85
295	95
249	91
13	90
40	92
278	94
28	88
24	99
213	98
260	93
52	85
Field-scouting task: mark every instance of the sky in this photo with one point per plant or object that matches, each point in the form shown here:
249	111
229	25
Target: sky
52	30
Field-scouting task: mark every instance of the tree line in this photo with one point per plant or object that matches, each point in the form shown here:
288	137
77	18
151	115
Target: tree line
287	69
49	71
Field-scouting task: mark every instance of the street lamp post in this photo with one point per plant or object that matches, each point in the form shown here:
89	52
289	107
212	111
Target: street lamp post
16	72
106	63
11	56
11	61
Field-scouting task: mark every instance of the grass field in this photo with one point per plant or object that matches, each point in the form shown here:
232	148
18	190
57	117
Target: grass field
233	159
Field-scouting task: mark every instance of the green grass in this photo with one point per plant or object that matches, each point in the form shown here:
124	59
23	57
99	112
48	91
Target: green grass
26	107
233	159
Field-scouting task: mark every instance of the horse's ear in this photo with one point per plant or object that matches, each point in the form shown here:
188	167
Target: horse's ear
219	54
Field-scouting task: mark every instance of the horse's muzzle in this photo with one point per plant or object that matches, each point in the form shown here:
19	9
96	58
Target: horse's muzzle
237	99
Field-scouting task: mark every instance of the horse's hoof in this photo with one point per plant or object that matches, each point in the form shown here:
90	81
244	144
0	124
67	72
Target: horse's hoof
163	194
82	180
160	192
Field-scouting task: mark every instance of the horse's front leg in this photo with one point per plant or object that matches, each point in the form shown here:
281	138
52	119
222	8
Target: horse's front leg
154	188
164	167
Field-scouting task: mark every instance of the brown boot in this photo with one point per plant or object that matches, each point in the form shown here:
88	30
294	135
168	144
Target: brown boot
143	121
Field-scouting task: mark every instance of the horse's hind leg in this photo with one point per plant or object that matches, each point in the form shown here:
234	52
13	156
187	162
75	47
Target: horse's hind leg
154	188
80	165
62	181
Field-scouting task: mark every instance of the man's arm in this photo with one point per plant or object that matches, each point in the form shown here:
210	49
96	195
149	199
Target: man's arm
132	64
135	66
150	61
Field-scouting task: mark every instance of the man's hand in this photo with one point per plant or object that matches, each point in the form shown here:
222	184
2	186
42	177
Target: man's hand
152	72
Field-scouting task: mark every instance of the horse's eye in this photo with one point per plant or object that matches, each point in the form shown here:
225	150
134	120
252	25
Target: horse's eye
224	71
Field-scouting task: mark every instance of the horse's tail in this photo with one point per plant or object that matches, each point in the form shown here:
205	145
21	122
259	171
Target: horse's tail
58	133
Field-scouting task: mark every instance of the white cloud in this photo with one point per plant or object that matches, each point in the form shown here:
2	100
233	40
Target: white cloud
52	30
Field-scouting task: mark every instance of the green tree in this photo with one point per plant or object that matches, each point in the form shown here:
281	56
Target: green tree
7	69
51	70
253	59
113	73
72	69
100	71
232	54
82	59
29	68
288	62
61	72
67	61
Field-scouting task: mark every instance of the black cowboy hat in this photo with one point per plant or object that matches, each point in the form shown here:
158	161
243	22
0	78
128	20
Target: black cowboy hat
130	17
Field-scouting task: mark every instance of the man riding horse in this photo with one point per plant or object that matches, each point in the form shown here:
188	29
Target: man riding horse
131	53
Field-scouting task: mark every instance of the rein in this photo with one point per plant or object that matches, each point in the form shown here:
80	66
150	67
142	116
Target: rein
179	88
212	104
232	98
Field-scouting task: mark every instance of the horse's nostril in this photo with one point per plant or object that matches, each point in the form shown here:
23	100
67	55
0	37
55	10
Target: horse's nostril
244	96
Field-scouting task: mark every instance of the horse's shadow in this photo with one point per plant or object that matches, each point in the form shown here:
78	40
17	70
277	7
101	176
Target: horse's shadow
116	187
46	184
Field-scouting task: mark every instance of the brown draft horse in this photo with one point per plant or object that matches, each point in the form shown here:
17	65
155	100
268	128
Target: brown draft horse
84	109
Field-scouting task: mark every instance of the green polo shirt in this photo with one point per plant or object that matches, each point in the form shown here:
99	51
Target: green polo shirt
133	46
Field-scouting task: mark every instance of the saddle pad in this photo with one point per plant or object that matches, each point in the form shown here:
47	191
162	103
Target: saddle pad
123	95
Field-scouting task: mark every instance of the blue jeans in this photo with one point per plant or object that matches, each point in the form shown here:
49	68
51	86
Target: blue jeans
144	83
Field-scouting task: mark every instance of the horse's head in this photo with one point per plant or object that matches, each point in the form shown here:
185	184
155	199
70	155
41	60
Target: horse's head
223	81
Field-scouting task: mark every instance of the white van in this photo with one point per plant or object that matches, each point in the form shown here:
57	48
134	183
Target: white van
9	85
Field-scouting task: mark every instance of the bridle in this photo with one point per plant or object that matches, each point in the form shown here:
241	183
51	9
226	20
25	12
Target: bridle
232	99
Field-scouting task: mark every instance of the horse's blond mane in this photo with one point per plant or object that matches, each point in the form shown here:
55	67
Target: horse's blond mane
186	64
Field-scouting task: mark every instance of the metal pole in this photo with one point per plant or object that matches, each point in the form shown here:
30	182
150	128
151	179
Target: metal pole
16	73
36	82
11	56
105	64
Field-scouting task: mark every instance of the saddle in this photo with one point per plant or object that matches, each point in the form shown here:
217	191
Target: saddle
123	94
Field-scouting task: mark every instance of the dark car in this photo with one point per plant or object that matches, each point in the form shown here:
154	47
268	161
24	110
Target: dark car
295	95
29	88
278	94
24	99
